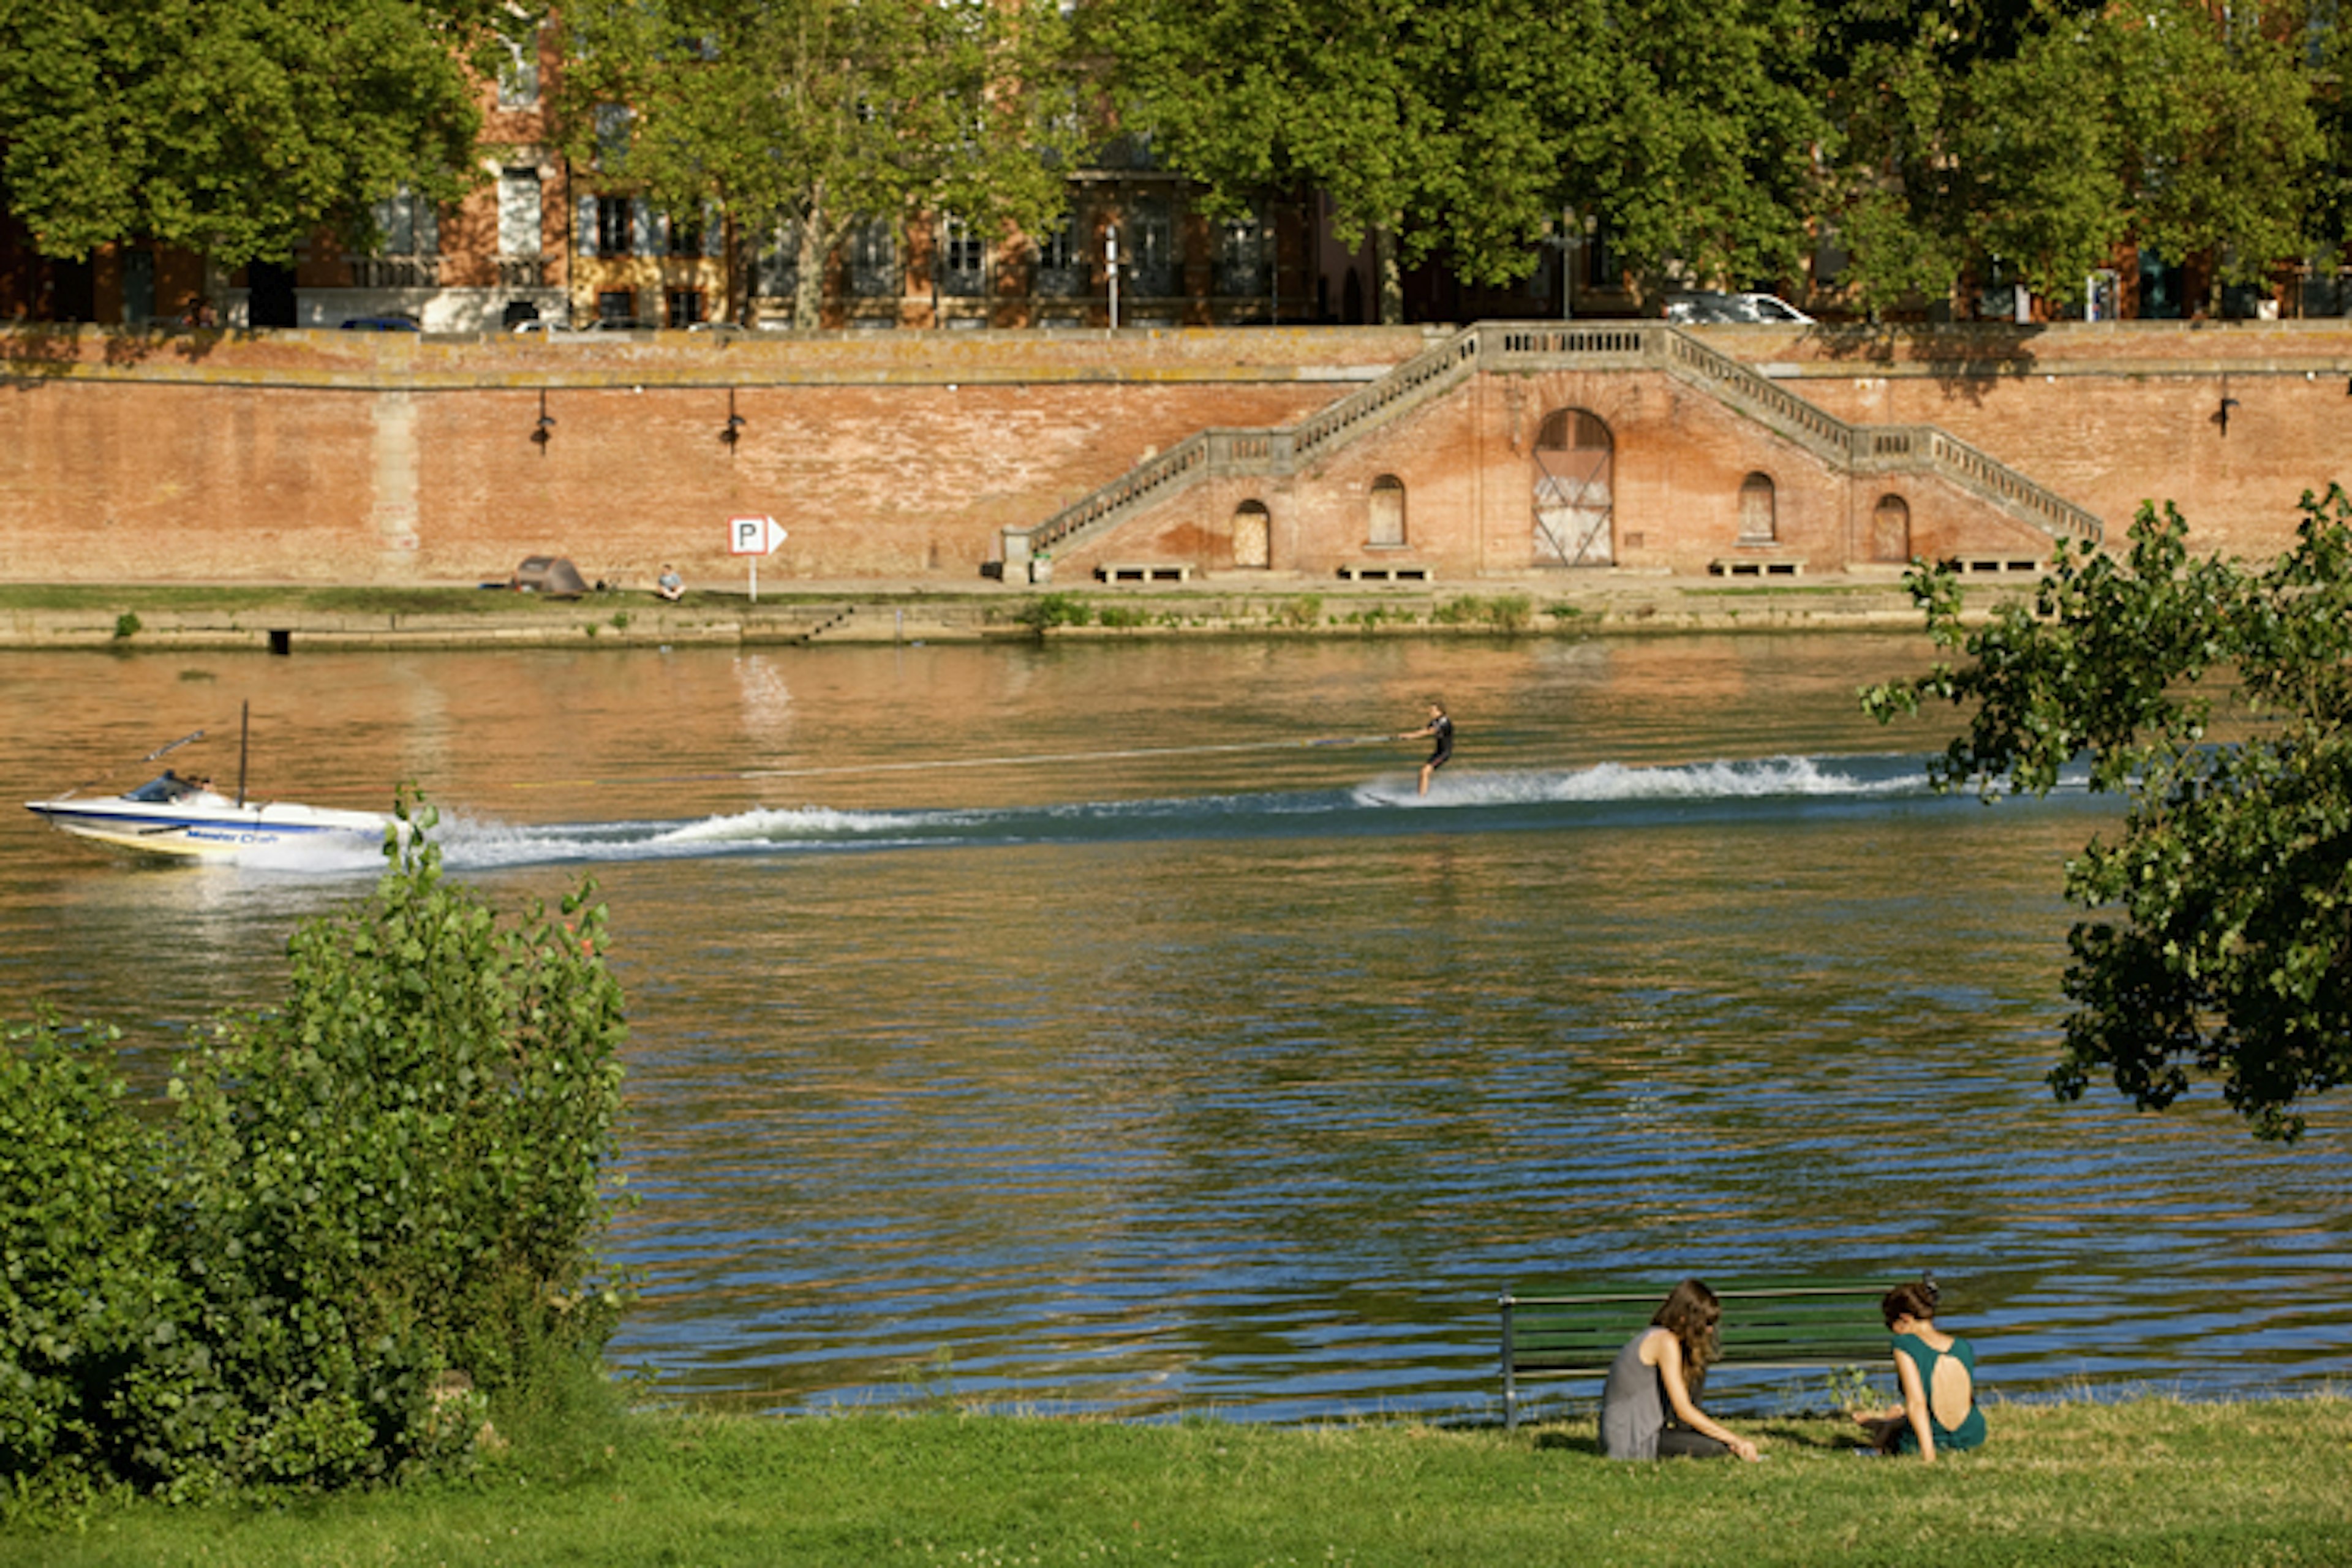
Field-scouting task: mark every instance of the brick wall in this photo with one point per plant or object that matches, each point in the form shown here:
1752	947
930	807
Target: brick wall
390	457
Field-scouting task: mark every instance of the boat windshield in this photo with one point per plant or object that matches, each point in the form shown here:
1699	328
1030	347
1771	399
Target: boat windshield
166	787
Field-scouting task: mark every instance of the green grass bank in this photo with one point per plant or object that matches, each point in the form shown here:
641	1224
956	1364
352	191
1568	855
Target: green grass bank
2151	1481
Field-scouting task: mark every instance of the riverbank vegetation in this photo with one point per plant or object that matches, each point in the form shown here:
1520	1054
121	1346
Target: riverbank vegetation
2149	1481
362	1213
2216	699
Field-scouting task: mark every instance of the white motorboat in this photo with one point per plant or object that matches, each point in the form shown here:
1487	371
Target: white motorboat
187	818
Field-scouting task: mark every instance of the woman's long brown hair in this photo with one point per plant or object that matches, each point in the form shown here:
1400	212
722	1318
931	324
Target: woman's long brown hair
1690	1313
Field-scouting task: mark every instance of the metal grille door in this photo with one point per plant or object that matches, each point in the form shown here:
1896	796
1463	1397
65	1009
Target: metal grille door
1573	511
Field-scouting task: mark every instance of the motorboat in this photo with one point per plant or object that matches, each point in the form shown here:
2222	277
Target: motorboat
169	815
184	817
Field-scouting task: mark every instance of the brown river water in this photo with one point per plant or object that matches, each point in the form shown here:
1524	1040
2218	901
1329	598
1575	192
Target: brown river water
1108	1026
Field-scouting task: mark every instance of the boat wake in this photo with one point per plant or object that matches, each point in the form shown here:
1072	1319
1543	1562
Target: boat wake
1461	801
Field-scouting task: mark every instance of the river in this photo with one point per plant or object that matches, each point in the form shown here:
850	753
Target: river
1107	1025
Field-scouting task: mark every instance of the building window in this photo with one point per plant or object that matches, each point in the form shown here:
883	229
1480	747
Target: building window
1242	271
615	226
685	234
962	259
1758	521
1057	262
612	120
406	224
685	306
780	263
519	225
873	260
518	74
1387	529
615	305
1150	253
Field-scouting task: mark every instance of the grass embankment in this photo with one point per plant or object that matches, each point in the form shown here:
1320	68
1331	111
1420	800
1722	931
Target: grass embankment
2150	1483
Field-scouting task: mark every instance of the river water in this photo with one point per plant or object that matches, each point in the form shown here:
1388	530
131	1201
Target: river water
1109	1026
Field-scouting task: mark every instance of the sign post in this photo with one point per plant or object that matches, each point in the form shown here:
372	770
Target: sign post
754	537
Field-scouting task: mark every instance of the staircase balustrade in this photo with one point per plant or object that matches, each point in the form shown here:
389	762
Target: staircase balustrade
1521	348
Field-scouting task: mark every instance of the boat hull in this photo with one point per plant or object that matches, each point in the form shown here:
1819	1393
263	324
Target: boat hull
221	832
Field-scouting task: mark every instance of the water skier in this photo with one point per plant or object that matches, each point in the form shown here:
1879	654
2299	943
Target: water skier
1439	731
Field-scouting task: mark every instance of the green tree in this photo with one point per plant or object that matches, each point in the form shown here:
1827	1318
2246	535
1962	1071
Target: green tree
2218	700
1468	130
2043	135
235	128
820	115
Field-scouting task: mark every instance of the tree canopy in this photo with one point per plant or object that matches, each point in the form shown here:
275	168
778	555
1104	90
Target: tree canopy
2218	700
2041	135
821	114
1470	130
235	127
1735	142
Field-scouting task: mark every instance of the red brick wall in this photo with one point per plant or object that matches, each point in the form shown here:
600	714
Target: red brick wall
386	457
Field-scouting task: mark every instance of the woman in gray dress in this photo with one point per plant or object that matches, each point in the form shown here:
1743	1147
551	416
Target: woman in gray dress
1649	1407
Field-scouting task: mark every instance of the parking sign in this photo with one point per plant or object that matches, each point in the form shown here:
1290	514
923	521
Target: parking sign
752	535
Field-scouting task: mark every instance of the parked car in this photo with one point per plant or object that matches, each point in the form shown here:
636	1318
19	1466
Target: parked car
381	324
1707	305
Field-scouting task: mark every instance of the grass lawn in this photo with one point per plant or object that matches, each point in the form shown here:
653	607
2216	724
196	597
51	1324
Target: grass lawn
2148	1482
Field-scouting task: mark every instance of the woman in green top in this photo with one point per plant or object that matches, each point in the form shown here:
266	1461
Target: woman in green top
1938	1373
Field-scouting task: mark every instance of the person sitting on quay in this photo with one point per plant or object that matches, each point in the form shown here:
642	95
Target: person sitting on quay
669	586
1649	1406
1937	1372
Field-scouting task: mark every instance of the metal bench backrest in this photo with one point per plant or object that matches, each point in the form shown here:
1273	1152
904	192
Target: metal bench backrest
1766	1327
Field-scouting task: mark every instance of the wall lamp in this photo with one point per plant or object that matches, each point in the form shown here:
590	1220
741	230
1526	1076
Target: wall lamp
2222	418
733	431
546	425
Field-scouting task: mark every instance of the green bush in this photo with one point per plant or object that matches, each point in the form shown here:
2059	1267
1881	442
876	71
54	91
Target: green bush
87	1291
1301	613
1046	611
378	1203
1504	612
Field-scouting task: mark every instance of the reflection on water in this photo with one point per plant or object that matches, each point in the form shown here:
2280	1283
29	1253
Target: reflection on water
1201	1066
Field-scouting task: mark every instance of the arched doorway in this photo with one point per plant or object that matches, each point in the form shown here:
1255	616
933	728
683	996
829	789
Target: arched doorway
1386	527
1890	530
1574	515
1759	521
1252	535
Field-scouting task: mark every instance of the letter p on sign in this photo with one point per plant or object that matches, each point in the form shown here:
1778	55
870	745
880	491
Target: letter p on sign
752	535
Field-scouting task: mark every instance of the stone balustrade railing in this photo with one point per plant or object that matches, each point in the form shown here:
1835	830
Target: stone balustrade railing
1567	345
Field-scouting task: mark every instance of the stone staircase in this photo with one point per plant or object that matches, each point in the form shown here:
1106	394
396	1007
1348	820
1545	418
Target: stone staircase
1521	347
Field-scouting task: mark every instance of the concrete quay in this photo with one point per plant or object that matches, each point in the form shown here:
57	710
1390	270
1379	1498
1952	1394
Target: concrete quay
848	614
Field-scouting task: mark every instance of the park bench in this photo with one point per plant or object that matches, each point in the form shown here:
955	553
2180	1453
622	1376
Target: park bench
1767	1326
1144	572
1757	566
